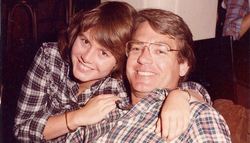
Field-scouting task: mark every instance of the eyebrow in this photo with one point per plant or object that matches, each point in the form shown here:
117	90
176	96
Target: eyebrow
82	34
100	47
159	42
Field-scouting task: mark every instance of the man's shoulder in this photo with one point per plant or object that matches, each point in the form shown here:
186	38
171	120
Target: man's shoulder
199	108
203	113
207	124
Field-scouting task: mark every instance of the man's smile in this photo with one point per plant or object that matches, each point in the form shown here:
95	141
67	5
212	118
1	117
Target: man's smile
145	73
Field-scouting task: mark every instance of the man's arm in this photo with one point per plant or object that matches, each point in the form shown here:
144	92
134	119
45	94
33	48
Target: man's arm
237	18
245	25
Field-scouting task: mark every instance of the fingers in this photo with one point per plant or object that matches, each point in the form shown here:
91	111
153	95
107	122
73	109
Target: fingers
109	104
175	128
108	108
174	116
172	127
158	126
105	103
179	129
165	129
97	108
104	100
186	123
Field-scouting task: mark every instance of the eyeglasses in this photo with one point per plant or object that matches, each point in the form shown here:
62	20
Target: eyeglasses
158	51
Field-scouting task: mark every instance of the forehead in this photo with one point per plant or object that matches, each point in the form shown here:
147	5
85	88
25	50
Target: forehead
89	35
145	33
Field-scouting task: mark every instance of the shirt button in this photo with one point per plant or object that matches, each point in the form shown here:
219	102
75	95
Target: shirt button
119	123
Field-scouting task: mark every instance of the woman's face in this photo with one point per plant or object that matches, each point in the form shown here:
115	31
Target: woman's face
90	60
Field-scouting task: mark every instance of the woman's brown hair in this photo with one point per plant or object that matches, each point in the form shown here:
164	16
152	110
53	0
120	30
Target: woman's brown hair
111	23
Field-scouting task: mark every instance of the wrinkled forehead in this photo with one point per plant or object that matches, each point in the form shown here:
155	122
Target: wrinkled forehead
146	33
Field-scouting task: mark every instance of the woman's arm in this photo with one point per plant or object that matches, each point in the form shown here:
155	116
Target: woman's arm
41	107
175	112
31	113
94	111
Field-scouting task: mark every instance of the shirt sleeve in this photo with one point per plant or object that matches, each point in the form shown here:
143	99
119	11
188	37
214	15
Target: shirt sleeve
121	90
31	114
236	10
189	85
111	85
206	125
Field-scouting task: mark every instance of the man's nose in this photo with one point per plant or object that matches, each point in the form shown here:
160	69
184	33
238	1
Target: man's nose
145	57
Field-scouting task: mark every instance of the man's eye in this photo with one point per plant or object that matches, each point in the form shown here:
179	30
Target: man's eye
161	52
161	49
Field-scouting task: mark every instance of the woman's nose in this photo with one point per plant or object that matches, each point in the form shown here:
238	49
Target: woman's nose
88	56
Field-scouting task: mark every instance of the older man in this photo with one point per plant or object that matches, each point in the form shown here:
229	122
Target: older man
160	57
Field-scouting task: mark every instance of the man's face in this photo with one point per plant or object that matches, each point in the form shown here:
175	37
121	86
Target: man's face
145	71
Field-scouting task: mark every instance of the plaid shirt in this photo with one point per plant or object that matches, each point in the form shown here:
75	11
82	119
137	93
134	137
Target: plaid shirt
48	90
236	10
137	123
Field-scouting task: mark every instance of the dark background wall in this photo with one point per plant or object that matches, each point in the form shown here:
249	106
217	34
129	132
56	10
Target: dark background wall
221	76
19	45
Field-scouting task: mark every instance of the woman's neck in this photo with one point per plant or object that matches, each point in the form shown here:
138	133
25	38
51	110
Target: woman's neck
84	85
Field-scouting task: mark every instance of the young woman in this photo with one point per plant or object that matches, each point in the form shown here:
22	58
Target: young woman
59	93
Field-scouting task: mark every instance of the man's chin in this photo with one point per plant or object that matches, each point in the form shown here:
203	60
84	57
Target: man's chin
143	88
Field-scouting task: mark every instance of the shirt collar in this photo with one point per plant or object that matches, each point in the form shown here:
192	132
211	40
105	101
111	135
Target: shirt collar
96	86
155	95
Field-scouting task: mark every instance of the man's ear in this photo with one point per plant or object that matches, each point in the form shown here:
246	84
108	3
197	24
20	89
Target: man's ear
183	68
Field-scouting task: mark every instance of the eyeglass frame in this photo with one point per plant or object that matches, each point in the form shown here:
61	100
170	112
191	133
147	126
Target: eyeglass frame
149	44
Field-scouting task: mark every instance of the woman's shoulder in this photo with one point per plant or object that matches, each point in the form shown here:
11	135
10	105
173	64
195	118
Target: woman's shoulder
51	50
50	47
51	54
109	83
109	80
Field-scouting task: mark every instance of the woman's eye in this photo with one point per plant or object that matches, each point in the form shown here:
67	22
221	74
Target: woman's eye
85	41
104	53
135	49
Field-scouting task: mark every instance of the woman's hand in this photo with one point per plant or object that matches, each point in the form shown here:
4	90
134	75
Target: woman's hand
94	111
174	117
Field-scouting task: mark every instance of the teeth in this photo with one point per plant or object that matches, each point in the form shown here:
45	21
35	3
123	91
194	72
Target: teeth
84	67
146	73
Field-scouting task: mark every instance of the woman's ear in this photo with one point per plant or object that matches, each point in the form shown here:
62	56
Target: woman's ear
114	68
183	68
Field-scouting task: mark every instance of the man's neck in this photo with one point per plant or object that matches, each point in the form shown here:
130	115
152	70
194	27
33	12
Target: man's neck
137	96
